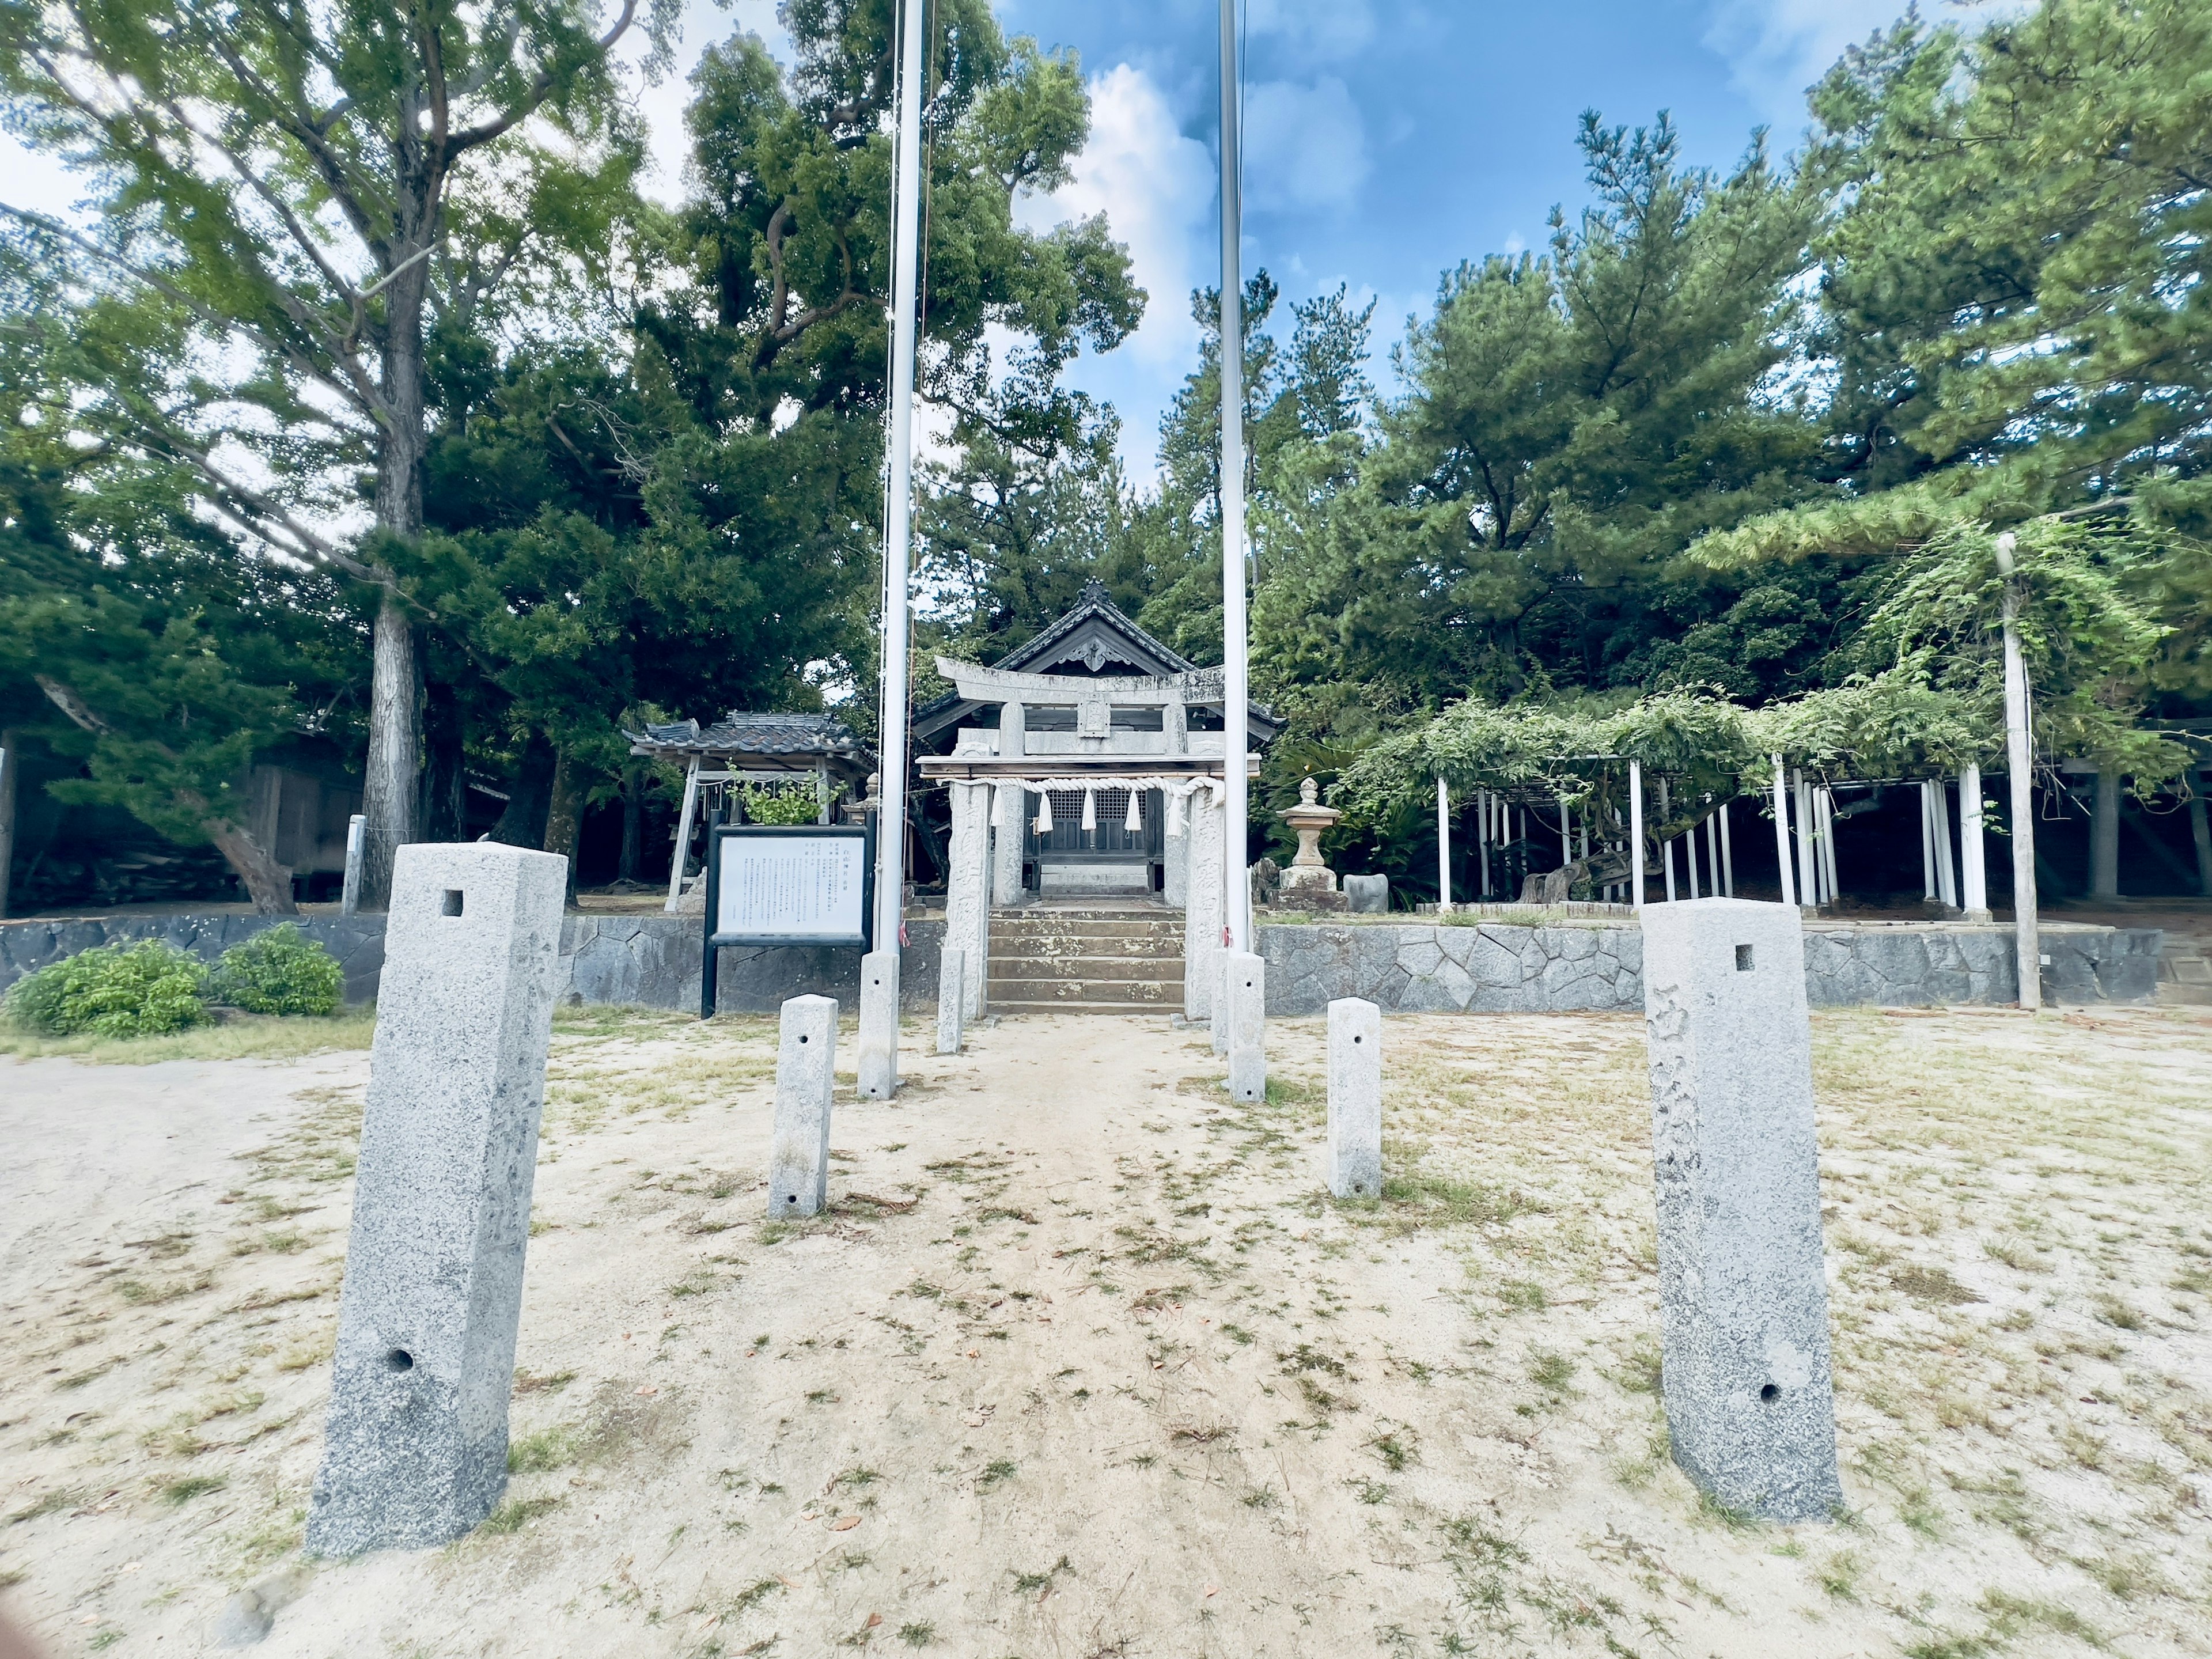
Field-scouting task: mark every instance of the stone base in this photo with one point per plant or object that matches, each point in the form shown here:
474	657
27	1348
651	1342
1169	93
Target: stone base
398	1473
1087	880
1303	881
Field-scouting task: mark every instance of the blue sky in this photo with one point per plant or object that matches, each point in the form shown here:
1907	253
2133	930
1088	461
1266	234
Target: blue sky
1386	140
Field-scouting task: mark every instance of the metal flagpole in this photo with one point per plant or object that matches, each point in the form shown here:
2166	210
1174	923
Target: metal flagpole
906	266
1236	913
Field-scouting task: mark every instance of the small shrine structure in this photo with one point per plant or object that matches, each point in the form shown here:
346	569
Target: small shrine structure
1084	765
758	748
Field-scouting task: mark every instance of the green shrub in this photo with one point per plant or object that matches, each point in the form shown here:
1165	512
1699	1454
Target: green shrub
279	971
782	804
116	991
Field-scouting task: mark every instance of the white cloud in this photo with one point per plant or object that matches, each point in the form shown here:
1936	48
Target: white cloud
1777	48
1305	147
1318	28
1156	189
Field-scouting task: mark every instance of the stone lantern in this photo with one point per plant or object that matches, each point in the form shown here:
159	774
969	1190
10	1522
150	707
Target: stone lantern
1308	877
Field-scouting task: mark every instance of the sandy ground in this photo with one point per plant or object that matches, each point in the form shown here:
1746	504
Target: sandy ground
1081	1362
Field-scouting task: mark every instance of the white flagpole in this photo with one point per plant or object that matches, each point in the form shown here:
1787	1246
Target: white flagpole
1236	914
2020	764
906	272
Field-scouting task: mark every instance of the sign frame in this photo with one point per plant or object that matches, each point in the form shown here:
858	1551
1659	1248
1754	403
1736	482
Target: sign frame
713	944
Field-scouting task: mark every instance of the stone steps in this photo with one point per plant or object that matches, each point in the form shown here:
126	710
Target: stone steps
1107	961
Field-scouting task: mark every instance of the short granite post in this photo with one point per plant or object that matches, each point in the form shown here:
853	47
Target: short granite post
805	1072
1354	1166
1370	895
1743	1305
1201	948
879	1008
415	1442
1244	987
951	998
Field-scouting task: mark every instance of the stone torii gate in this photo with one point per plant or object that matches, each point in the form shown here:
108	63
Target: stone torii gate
1083	735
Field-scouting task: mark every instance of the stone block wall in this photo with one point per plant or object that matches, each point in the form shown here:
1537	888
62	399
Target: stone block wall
356	941
653	961
1496	967
645	961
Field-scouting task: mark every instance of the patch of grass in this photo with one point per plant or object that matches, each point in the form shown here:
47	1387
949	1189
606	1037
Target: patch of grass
525	1383
518	1512
1396	1449
176	1493
1550	1371
2117	1314
860	1475
994	1472
543	1452
1931	1285
917	1635
247	1036
47	1505
1026	1582
1260	1498
1421	1198
1839	1576
1524	1295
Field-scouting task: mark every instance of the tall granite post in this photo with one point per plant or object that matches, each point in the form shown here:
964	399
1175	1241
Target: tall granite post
1202	910
415	1442
952	996
1244	988
1747	1375
879	1009
1354	1166
1009	814
968	888
805	1072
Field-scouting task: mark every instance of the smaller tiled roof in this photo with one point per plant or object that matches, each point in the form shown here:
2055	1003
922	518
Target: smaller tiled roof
738	734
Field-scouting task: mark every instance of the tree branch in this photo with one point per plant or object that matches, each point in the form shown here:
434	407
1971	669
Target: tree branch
541	88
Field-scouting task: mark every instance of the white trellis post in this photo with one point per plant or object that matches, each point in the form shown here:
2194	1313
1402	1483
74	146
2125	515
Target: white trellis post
1727	854
1976	897
1635	835
1808	868
1482	841
1781	833
1927	842
1443	848
1666	844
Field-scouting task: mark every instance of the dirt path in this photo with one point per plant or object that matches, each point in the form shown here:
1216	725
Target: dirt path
1082	1364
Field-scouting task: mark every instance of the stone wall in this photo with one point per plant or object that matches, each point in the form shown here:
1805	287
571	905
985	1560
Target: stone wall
652	961
1495	967
648	961
356	941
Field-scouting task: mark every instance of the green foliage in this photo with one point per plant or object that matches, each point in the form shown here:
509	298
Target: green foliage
114	991
280	970
782	804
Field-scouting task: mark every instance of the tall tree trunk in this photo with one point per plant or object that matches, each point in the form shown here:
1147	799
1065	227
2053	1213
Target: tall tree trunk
523	823
441	815
268	883
11	762
564	816
388	796
633	840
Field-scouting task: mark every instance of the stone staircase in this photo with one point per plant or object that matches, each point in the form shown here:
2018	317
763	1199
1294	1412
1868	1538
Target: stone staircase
1099	960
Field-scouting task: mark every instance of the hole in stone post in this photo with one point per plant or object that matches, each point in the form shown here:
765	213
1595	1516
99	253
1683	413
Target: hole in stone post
453	902
792	1199
399	1360
802	1036
1770	1394
1743	958
1355	1039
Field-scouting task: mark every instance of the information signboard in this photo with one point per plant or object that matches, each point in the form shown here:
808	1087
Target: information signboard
804	885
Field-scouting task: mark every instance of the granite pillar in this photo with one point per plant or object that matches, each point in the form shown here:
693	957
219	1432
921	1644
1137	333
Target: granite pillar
1244	988
951	997
415	1440
879	1010
805	1075
1353	1168
968	888
1747	1375
1202	909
